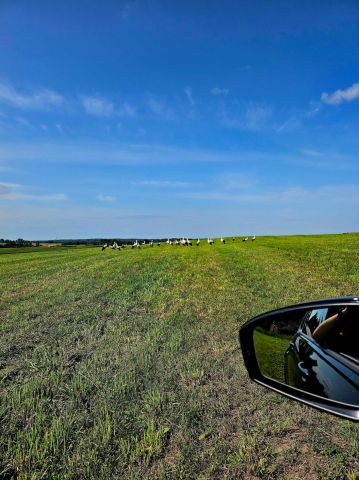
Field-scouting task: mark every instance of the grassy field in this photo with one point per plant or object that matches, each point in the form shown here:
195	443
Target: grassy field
127	364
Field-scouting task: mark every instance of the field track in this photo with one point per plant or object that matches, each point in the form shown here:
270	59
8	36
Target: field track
126	364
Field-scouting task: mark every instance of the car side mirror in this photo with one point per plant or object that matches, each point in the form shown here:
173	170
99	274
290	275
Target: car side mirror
308	352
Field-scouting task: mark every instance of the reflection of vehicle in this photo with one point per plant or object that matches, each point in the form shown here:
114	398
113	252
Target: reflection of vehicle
316	369
319	365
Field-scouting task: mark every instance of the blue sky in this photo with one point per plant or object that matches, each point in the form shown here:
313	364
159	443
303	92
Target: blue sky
156	119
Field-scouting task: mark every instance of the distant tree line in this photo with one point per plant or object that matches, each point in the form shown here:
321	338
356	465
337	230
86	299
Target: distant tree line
20	242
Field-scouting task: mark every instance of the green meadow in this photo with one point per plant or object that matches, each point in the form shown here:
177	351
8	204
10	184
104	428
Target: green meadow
126	364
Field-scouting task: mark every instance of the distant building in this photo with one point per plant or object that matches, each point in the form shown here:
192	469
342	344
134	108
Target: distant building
45	244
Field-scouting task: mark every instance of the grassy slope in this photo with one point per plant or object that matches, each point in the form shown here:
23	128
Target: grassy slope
127	364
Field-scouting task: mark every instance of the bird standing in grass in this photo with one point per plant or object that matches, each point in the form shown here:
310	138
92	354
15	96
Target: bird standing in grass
223	240
198	242
104	246
253	238
210	241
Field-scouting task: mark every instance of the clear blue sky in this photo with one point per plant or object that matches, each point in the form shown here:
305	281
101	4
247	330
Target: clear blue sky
156	119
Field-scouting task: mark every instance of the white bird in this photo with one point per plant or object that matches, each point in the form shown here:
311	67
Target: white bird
189	243
151	243
177	242
104	246
245	239
198	242
223	240
210	241
168	241
253	238
144	242
136	244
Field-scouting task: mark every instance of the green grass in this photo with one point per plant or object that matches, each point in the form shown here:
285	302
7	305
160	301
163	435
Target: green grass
127	364
270	352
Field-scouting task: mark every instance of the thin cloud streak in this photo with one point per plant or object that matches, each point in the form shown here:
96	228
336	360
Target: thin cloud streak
148	154
333	193
189	95
14	191
42	99
163	184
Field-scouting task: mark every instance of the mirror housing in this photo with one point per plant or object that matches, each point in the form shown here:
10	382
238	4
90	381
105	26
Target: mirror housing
286	330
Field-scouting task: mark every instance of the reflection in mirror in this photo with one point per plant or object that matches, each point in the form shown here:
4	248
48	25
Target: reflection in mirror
316	350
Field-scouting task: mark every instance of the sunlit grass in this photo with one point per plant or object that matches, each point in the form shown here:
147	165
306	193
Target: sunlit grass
127	364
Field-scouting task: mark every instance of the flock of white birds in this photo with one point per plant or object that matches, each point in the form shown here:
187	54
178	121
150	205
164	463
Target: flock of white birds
184	241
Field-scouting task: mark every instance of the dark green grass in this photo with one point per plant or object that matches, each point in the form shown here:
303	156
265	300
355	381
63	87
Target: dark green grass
127	364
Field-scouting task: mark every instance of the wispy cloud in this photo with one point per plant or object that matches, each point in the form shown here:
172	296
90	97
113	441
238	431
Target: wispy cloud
160	109
189	95
248	117
97	106
14	191
127	110
331	193
106	198
257	116
163	184
312	153
236	181
289	125
21	155
219	91
339	96
41	99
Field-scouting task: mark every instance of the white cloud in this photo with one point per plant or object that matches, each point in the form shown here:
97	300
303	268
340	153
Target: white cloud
127	110
160	109
340	96
189	95
97	106
163	184
106	198
42	99
14	191
219	91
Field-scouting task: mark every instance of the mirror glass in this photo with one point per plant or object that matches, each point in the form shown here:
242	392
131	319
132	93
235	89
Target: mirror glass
316	350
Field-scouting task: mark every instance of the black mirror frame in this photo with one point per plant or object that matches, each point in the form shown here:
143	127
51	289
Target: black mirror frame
347	411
